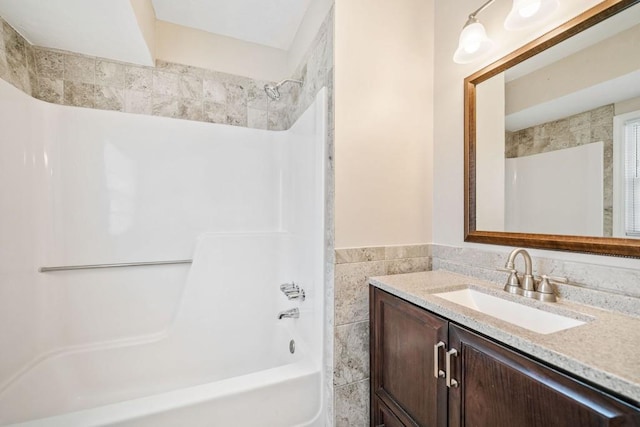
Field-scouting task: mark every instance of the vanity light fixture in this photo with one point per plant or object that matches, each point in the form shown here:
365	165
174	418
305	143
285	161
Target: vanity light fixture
525	13
474	42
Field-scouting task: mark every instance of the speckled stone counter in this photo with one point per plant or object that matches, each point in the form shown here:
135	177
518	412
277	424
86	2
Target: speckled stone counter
604	351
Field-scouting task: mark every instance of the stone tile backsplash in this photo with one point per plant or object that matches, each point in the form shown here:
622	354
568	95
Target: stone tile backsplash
351	318
168	89
614	288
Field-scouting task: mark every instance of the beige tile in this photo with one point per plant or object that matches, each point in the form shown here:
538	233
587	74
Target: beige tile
190	87
256	96
138	78
50	90
256	119
351	353
79	69
237	115
30	54
14	45
16	59
166	84
109	98
236	94
138	102
165	106
4	68
191	109
352	405
359	254
110	73
176	68
407	265
214	112
49	64
79	94
351	289
277	119
214	91
407	251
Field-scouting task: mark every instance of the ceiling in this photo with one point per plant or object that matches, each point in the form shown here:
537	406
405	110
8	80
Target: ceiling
110	29
272	23
104	28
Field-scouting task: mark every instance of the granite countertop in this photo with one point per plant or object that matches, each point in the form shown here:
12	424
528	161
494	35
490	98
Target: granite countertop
604	351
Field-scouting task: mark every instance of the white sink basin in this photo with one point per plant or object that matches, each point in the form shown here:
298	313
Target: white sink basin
521	315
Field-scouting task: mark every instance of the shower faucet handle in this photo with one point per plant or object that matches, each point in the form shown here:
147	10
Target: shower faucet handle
288	287
293	291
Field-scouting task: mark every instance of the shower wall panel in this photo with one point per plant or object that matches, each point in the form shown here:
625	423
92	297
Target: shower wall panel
82	186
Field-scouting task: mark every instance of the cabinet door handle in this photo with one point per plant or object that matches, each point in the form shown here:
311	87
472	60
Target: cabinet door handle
437	372
450	381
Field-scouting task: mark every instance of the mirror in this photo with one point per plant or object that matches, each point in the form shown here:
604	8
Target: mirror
552	139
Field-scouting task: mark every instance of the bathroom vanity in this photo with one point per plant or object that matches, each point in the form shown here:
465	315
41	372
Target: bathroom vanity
435	362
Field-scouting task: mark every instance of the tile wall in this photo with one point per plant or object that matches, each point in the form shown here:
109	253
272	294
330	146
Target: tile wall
168	89
351	332
614	288
584	128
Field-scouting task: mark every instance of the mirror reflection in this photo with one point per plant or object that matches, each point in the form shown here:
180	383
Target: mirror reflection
558	137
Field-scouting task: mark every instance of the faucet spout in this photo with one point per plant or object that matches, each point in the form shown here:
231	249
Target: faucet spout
292	313
528	265
528	283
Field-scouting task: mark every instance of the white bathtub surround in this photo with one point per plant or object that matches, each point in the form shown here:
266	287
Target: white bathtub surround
536	189
106	187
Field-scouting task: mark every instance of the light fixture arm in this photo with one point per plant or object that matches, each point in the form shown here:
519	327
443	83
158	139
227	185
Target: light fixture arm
472	16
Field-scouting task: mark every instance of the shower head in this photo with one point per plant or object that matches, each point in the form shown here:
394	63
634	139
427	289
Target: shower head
273	91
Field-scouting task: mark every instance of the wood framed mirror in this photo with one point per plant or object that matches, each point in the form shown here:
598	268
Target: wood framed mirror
545	131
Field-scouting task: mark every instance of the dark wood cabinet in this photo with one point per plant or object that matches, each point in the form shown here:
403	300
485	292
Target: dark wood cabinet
384	416
403	338
492	386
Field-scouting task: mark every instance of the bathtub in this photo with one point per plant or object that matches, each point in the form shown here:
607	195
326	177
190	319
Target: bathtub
225	360
274	397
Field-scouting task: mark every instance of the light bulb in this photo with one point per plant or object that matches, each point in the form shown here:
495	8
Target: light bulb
530	9
473	43
525	13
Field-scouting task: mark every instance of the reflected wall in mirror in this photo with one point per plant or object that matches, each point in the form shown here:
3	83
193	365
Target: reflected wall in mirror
552	135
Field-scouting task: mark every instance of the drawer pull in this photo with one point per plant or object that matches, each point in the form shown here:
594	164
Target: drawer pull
450	381
437	372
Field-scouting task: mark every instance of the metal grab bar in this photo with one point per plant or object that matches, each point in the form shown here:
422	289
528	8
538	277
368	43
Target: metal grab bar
123	264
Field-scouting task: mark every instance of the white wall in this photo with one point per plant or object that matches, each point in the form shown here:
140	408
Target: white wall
490	153
450	16
383	122
175	43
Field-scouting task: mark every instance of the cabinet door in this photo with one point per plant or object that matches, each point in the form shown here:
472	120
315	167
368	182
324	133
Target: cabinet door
499	387
403	338
383	417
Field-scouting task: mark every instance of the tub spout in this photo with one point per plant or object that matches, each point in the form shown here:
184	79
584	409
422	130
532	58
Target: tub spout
293	313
